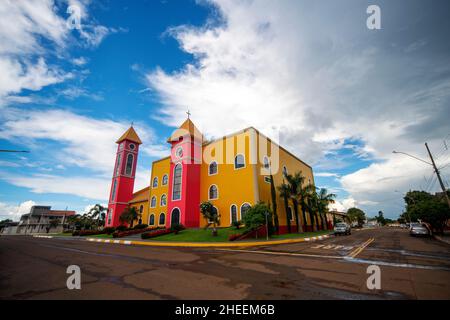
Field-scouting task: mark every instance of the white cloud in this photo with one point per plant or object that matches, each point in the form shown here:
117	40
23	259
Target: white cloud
82	142
30	32
326	174
14	212
317	76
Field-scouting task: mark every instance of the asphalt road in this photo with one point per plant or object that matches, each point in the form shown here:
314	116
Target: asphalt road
411	268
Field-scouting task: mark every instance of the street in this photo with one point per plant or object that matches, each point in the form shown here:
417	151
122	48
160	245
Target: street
335	268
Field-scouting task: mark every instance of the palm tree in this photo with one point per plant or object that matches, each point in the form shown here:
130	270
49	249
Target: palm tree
98	214
129	215
324	199
295	183
284	193
211	216
274	203
311	202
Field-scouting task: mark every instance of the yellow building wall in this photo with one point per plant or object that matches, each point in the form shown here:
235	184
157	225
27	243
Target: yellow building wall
159	169
235	186
292	165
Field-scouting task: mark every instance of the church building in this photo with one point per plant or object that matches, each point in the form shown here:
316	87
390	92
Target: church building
232	172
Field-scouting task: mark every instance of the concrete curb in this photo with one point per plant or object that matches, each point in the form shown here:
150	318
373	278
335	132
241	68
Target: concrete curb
40	236
209	244
439	238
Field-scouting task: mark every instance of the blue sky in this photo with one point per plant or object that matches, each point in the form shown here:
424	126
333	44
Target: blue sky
310	75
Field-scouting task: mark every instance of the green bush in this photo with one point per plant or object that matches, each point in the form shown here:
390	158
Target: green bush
177	228
237	224
140	226
109	230
121	228
256	217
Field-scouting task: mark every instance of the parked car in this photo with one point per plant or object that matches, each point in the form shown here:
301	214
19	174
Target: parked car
418	229
342	228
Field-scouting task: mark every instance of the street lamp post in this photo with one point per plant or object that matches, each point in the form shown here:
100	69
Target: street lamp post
433	164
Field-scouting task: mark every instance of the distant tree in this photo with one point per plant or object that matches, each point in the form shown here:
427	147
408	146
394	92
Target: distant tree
356	215
380	218
283	189
98	214
53	223
324	200
211	216
428	208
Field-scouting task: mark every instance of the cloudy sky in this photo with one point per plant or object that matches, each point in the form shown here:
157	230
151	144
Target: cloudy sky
308	73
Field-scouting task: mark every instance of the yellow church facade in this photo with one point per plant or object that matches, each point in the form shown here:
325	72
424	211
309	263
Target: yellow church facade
232	172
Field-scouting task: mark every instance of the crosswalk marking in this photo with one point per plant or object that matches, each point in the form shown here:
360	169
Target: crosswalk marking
333	247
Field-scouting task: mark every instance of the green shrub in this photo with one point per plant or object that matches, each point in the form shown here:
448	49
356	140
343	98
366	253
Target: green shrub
237	224
121	228
109	230
177	228
140	226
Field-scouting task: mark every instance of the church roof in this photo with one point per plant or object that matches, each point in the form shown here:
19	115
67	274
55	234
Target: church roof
130	135
140	195
188	126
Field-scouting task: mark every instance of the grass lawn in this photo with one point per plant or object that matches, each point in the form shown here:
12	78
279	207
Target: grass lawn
106	236
199	235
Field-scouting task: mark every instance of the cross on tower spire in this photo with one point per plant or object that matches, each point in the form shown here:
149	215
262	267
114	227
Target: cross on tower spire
188	113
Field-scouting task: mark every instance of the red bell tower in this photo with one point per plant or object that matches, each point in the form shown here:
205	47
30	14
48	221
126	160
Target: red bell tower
123	176
183	204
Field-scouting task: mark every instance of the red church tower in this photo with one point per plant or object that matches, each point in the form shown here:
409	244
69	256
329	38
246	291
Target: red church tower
183	204
123	176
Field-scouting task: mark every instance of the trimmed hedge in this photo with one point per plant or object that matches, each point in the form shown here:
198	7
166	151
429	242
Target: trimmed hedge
155	233
118	234
82	233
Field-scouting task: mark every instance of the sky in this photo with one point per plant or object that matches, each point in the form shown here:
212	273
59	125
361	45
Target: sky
309	74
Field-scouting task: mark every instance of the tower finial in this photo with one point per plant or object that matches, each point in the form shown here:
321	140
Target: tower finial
188	113
132	123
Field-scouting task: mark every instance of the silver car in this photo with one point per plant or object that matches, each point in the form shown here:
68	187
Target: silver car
342	228
418	229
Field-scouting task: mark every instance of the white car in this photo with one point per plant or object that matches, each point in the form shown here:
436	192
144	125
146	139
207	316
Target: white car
342	228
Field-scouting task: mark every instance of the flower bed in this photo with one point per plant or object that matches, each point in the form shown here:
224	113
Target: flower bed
155	233
82	233
118	234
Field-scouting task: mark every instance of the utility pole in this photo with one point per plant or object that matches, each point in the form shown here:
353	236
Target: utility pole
438	175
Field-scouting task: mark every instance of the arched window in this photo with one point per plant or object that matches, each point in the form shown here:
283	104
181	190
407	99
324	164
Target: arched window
266	163
213	192
233	214
177	180
110	213
113	193
239	161
141	209
119	158
244	209
151	220
165	179
163	201
213	168
155	182
153	202
162	219
285	171
129	166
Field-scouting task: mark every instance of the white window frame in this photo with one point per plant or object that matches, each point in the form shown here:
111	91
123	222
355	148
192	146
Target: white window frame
240	209
159	219
154	219
151	202
209	169
173	184
160	200
231	213
153	182
162	181
245	163
132	165
209	192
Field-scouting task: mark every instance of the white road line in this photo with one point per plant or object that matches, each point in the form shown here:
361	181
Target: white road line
127	242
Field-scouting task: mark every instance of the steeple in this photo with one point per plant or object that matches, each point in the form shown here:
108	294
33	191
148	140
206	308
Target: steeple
187	127
130	135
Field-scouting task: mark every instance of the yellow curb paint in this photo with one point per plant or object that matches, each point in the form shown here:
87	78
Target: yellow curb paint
207	244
